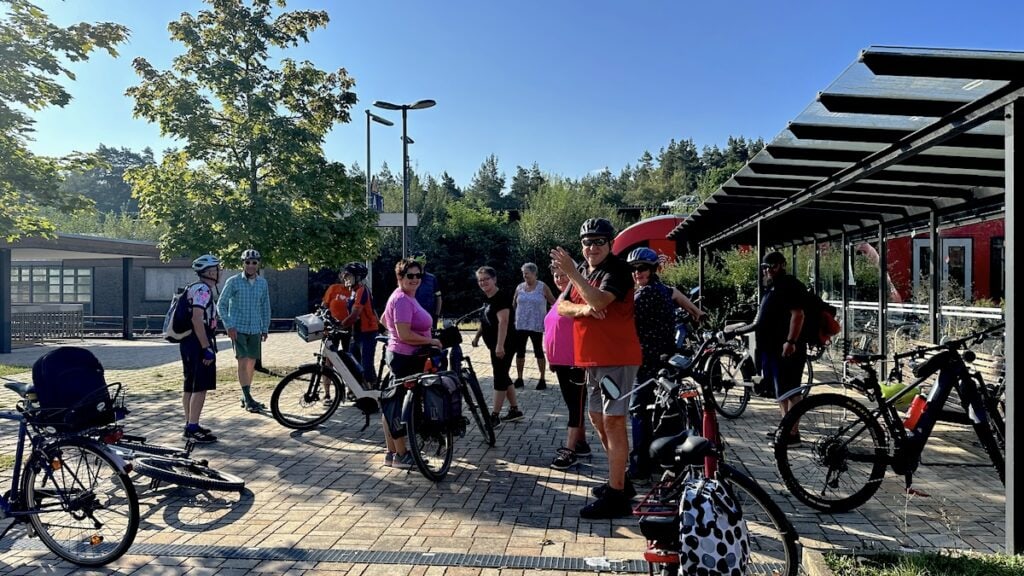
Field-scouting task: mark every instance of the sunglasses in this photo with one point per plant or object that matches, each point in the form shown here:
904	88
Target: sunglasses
594	241
767	266
252	262
413	276
637	269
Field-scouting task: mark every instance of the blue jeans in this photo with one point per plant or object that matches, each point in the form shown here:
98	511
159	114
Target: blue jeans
362	350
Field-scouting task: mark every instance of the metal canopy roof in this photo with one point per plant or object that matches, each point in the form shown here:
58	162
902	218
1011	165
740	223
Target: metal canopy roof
901	132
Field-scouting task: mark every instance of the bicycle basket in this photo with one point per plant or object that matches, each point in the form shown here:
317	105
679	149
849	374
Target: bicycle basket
98	408
310	327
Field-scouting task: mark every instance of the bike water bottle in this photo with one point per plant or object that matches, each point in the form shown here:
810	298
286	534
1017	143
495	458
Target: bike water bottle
914	414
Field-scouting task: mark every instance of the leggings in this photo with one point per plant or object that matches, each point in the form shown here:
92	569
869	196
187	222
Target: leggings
500	368
570	380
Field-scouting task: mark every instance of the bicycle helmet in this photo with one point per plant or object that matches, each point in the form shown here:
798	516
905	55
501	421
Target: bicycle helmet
356	269
251	254
597	227
642	255
205	261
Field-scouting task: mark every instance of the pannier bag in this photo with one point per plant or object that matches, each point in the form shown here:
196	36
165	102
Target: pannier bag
310	327
713	535
391	398
72	393
442	402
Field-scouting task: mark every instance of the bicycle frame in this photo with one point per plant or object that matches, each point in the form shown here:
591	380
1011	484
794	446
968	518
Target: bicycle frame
330	356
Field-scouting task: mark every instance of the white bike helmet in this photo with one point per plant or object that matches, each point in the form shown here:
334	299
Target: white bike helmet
205	261
250	254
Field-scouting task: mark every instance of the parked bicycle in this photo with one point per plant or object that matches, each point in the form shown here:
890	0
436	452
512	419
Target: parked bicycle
688	458
845	447
72	489
309	396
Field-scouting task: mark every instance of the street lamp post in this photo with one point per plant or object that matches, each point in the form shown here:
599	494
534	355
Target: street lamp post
369	194
419	105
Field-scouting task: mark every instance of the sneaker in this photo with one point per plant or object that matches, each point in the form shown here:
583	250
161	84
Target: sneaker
566	459
583	449
519	383
200	437
513	415
253	406
542	385
614	504
599	491
495	420
404	461
389	459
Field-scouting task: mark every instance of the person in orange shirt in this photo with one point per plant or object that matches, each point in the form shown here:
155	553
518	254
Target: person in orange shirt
361	318
336	300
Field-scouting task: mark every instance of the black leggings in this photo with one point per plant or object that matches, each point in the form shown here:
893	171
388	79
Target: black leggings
570	380
500	368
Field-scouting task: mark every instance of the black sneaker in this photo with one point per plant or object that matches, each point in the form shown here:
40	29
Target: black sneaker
614	504
495	420
566	459
583	449
542	385
200	437
599	491
519	383
513	415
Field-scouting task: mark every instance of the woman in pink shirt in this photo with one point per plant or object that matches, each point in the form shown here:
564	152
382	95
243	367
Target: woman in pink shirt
559	351
408	327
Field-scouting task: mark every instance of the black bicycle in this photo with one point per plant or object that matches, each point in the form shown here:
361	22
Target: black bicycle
469	384
172	465
845	447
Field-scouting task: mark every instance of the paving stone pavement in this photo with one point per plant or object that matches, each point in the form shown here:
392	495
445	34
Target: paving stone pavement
318	498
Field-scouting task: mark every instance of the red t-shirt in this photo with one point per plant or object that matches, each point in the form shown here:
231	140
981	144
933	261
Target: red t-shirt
612	340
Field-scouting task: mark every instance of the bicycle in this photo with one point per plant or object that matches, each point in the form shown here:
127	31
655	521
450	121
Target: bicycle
686	457
170	464
853	445
721	357
469	384
309	395
74	492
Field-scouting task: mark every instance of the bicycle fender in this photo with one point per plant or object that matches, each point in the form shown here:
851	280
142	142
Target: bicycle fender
407	406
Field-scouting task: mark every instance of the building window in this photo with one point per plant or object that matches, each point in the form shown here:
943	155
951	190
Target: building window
31	284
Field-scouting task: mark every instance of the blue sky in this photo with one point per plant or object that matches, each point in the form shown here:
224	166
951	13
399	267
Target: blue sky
572	85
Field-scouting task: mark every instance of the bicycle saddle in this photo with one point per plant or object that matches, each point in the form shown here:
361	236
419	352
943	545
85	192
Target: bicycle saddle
687	448
864	358
21	388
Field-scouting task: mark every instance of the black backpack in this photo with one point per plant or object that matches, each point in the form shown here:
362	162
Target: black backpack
71	390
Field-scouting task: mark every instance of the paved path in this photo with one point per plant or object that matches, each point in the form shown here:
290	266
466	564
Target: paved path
322	502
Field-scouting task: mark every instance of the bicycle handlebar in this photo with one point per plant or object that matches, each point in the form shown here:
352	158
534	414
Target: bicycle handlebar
952	345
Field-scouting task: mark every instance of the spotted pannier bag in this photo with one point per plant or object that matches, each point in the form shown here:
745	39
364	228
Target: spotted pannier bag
713	535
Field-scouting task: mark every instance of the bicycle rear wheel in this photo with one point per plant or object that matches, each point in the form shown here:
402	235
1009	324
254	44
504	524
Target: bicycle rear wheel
306	398
726	371
474	396
84	508
774	543
431	448
842	457
187	472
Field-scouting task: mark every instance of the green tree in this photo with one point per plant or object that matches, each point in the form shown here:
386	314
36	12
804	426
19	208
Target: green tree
34	54
252	170
105	183
487	184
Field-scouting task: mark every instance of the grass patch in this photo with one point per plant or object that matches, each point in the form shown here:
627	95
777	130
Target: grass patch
7	369
6	461
926	564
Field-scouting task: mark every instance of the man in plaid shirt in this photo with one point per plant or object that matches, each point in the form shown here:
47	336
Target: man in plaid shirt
244	308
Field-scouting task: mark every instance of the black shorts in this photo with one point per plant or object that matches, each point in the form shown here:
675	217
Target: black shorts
198	376
784	375
536	338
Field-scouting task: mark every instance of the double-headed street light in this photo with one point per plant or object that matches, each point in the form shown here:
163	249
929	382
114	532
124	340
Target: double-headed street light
371	116
419	105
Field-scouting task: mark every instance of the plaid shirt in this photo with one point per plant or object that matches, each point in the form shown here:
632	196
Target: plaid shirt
245	305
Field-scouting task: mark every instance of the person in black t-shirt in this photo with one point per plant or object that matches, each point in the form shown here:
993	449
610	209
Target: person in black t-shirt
779	321
497	328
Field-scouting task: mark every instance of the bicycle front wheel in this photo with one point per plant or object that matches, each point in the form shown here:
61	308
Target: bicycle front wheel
306	398
730	394
431	447
187	472
774	543
81	506
474	396
841	459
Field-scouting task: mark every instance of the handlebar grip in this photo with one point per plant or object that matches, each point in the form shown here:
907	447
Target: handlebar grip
932	365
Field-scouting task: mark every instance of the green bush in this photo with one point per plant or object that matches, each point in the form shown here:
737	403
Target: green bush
925	564
730	281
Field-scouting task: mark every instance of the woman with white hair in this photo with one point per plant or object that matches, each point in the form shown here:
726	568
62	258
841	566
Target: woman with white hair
531	300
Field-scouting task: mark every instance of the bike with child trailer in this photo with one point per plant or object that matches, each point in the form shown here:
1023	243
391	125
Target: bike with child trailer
833	451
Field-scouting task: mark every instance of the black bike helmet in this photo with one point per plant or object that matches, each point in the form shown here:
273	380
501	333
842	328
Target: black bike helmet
357	269
597	227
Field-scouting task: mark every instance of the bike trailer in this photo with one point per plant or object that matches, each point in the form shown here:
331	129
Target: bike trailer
72	392
310	327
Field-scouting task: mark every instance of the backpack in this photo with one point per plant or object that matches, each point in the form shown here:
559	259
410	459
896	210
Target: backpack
71	390
713	536
820	323
178	320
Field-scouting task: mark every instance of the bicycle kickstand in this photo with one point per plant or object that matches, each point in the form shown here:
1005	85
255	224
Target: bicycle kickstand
911	491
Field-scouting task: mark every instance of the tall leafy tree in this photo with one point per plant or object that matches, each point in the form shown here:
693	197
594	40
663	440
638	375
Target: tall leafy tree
251	171
34	55
487	184
105	183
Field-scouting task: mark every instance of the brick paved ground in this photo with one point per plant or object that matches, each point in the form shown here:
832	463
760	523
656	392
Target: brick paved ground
327	490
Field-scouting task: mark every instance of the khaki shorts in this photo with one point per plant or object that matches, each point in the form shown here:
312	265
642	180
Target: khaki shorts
248	345
624	376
